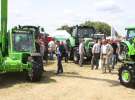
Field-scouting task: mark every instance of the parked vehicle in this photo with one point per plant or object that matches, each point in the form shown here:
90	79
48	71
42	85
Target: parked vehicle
17	49
81	32
127	70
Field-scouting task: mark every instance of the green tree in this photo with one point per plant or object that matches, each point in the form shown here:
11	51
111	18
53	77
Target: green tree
101	27
66	27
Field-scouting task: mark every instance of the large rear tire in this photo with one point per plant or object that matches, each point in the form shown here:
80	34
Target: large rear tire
126	75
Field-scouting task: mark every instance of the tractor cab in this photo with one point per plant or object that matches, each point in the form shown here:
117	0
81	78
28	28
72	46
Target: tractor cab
130	32
82	32
23	40
99	36
127	46
37	29
127	69
78	33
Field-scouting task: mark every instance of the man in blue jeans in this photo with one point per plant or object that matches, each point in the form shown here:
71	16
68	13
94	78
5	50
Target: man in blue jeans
115	53
59	58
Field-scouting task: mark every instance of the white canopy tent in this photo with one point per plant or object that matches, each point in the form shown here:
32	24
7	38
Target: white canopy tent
60	35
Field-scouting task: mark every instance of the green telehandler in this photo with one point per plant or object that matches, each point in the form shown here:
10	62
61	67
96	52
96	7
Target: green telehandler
127	54
18	49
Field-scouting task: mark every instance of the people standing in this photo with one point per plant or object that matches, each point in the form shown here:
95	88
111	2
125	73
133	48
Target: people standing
37	45
66	52
96	54
51	49
59	58
46	48
115	53
62	48
110	54
81	52
106	52
42	47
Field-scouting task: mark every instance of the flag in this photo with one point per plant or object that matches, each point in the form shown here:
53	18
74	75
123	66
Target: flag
114	33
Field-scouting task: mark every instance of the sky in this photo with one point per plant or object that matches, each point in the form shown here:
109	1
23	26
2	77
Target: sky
51	14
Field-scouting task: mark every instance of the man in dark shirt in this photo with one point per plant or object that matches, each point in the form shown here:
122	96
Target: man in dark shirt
115	53
59	58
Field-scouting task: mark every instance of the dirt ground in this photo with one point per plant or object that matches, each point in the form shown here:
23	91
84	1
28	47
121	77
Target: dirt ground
77	83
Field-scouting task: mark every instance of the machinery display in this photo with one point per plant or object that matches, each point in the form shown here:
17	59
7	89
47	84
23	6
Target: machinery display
18	49
128	46
78	33
127	70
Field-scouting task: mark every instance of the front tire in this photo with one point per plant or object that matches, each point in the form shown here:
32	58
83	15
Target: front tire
126	75
35	73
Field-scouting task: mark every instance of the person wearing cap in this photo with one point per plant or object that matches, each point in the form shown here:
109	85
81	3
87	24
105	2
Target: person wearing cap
81	52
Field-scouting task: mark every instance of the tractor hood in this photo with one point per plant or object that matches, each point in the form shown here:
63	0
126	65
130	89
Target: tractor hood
88	40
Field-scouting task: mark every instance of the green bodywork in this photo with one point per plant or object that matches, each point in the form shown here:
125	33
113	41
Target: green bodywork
131	48
13	61
10	59
130	41
79	33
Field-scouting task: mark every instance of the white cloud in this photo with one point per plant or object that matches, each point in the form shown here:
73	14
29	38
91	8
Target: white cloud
52	14
108	6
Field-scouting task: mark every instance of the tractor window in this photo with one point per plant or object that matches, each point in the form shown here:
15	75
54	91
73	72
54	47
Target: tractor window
131	33
85	33
22	42
99	36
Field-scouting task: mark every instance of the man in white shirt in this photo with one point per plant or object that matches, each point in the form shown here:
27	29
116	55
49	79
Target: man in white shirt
51	45
81	52
96	54
110	54
106	52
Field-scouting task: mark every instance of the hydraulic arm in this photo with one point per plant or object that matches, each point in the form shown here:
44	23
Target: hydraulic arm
4	10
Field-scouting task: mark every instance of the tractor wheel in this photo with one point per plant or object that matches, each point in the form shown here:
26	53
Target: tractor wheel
123	51
35	73
70	54
75	58
126	76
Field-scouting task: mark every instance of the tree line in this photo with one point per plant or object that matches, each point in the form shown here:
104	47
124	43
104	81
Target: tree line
101	27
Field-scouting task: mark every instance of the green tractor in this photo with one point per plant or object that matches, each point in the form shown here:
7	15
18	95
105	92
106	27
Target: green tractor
128	46
18	49
127	70
81	32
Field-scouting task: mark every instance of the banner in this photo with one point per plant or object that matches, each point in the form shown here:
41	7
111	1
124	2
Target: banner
114	34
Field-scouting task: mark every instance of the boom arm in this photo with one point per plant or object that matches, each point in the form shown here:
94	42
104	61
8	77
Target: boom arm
4	10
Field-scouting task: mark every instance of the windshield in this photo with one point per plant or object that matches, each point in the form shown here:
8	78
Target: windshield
85	33
131	33
99	36
22	42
